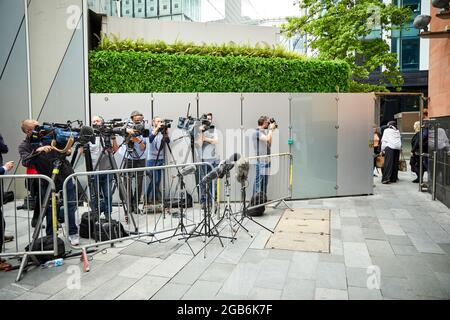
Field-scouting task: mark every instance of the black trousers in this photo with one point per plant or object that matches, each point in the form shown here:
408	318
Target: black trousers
390	168
2	229
133	195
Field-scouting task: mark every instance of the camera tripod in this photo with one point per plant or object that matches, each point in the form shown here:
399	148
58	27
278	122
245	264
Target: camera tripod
128	207
244	211
207	228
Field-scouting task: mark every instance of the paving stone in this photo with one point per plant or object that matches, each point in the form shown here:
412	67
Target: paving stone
140	268
331	294
331	275
296	289
357	277
171	291
437	262
217	272
389	266
445	247
356	255
444	280
424	244
348	213
350	222
202	290
374	234
171	266
352	234
281	254
33	296
144	289
336	247
241	280
426	285
272	274
396	288
400	240
402	250
370	222
264	294
254	256
401	214
303	266
415	265
327	257
379	248
357	293
391	227
111	289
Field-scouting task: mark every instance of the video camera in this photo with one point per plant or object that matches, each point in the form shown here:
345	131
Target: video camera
165	124
58	135
272	120
111	127
192	124
139	129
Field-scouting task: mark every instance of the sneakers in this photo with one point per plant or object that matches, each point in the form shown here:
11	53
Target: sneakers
9	238
74	239
416	180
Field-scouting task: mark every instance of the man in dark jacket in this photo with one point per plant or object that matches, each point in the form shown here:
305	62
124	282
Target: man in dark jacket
42	157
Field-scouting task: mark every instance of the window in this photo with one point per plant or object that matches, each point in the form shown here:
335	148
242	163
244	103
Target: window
127	11
414	5
175	5
140	10
152	9
410	52
164	7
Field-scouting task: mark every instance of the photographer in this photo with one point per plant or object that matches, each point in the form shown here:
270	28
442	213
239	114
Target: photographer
100	162
3	169
206	150
156	157
4	149
42	157
135	153
262	142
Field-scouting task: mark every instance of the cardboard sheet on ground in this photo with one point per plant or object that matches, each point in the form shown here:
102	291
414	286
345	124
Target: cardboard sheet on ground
302	230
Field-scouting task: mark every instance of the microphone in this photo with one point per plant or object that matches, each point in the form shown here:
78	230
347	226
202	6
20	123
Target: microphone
228	164
223	168
86	135
187	170
242	170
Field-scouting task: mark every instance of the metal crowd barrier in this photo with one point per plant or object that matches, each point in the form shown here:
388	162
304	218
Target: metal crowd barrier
145	218
275	179
18	219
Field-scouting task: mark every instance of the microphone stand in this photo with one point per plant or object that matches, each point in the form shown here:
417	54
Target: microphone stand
244	211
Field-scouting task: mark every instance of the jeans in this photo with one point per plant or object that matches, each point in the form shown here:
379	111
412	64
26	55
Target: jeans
102	184
204	170
153	189
262	177
72	204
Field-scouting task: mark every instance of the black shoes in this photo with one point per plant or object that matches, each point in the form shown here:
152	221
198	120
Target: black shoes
416	180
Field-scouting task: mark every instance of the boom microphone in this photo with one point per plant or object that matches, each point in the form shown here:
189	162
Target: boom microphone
187	170
228	164
243	167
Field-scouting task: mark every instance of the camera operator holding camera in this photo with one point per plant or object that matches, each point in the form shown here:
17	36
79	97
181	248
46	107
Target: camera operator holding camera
42	157
135	153
262	141
156	156
100	162
207	139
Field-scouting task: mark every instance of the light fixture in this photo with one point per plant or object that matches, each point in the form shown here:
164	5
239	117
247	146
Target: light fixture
421	22
441	4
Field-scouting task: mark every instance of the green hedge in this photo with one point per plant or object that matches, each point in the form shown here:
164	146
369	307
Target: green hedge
130	71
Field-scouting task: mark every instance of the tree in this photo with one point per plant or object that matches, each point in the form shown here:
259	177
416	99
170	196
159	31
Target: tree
344	29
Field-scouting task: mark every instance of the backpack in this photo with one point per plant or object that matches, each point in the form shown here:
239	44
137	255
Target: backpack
177	203
92	227
257	198
47	244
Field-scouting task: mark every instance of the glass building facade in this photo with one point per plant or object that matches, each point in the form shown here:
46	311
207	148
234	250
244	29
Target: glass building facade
177	10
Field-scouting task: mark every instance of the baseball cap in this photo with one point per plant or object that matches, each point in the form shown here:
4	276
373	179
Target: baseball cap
136	113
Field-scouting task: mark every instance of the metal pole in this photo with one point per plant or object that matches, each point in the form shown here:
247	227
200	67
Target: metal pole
434	174
420	145
27	36
86	61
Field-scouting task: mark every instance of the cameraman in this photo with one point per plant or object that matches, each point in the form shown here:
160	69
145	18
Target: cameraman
135	155
206	143
42	157
156	157
262	142
100	161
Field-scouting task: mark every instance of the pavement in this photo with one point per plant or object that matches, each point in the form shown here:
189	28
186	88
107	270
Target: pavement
394	244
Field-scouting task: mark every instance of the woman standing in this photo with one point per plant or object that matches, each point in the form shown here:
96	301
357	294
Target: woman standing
390	146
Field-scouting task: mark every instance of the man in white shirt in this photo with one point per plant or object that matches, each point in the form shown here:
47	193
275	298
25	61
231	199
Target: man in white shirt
391	145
